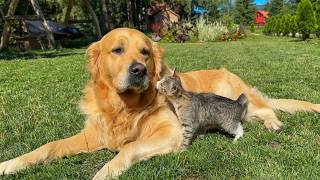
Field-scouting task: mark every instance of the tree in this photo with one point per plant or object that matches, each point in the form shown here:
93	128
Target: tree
292	5
183	5
244	12
104	17
267	29
293	25
285	24
277	26
211	6
317	14
275	7
306	18
267	6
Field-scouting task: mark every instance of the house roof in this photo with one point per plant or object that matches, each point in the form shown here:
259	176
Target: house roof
167	10
171	11
264	13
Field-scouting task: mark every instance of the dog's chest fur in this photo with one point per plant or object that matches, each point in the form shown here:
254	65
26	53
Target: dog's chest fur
116	125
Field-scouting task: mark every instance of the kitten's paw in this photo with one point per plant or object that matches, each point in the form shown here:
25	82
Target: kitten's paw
235	140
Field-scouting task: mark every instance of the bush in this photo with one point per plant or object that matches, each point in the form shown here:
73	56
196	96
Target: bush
267	29
210	31
252	28
277	26
228	21
317	14
285	24
178	33
293	26
305	18
168	36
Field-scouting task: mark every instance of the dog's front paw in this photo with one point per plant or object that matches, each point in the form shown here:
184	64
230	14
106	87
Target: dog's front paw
111	170
11	166
274	125
101	175
106	172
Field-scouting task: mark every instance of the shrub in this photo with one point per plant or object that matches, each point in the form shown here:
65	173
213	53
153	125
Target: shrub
210	31
285	24
241	32
178	32
168	36
305	18
277	26
267	29
252	27
317	14
293	26
228	20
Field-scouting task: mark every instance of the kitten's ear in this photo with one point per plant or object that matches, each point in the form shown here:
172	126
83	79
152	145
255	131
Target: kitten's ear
174	72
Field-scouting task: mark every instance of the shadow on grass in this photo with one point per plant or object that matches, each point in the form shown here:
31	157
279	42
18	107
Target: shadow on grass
67	48
219	131
9	54
296	40
311	40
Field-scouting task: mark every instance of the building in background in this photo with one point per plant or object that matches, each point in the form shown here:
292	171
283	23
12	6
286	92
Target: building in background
261	17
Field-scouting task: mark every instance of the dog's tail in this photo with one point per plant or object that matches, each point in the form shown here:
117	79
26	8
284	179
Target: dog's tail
292	105
243	101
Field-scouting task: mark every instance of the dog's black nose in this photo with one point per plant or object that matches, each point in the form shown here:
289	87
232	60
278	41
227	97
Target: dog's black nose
137	69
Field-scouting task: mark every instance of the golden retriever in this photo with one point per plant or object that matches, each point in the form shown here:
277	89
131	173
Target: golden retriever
125	113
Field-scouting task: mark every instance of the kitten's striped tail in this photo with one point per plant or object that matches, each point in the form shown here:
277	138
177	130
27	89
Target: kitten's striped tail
243	101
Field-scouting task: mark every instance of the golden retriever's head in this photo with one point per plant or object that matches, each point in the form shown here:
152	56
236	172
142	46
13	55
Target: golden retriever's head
126	59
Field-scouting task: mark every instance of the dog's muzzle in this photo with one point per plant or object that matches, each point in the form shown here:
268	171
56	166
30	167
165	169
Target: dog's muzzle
138	76
137	70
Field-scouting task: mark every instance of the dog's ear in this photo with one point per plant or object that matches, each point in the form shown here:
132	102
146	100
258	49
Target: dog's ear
161	69
157	52
93	53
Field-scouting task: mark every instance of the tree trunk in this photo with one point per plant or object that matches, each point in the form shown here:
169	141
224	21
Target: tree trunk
38	11
68	12
2	15
104	17
7	25
94	17
305	36
137	15
129	13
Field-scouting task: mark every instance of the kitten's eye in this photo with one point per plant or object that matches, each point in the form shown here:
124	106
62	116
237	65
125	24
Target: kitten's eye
117	51
173	88
145	52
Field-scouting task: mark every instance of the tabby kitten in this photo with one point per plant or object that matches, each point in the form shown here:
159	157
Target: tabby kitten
198	112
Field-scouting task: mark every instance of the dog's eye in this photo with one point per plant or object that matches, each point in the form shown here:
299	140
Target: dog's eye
117	51
145	52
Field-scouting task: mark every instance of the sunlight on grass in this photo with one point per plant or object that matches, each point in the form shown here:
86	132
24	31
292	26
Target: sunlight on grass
39	95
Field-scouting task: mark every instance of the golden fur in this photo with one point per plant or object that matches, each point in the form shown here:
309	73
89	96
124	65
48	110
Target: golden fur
137	122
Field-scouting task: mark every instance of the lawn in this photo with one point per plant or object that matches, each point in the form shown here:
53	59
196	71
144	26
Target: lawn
39	95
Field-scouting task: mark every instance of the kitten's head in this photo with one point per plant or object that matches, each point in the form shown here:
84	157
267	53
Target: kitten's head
170	85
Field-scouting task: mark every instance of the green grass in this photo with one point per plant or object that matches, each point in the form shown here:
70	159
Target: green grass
39	95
